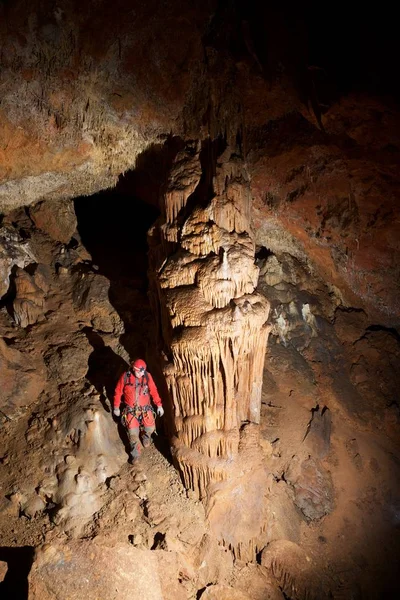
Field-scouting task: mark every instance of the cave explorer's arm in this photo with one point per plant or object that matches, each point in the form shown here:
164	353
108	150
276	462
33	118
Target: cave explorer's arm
119	389
154	392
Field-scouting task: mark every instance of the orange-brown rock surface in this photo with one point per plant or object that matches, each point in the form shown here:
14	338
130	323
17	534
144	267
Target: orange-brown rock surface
268	139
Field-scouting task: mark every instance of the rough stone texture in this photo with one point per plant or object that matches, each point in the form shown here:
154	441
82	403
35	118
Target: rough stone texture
255	581
323	173
13	251
319	433
94	571
3	569
29	304
313	489
294	570
83	92
68	361
242	525
22	379
221	592
91	103
57	219
323	196
88	452
90	294
62	483
284	519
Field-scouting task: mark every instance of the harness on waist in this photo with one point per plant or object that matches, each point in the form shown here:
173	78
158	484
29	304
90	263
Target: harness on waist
137	412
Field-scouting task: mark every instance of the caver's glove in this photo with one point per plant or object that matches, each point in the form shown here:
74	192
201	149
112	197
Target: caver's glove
160	411
116	412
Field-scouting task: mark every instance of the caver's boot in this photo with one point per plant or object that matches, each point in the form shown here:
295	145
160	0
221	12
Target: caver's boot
146	436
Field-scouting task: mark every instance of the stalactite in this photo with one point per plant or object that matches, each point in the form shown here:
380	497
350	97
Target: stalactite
184	178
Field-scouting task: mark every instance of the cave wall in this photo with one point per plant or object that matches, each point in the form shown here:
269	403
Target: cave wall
86	90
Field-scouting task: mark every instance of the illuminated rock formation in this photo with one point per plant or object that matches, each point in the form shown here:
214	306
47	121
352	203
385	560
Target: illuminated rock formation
212	321
85	453
29	302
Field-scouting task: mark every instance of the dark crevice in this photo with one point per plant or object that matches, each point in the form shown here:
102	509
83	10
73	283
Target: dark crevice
113	226
204	192
384	329
201	591
263	253
159	538
19	560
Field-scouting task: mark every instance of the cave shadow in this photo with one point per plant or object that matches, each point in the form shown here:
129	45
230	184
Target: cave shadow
15	585
105	368
113	227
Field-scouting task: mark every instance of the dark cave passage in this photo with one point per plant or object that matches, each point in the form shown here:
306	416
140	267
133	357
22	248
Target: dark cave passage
19	560
113	226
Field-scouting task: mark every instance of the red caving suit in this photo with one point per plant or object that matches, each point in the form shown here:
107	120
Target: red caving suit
137	412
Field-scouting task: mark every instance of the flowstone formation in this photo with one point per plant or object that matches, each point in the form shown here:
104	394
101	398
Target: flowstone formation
213	324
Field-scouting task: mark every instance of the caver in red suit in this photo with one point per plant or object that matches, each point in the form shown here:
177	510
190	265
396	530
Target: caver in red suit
137	388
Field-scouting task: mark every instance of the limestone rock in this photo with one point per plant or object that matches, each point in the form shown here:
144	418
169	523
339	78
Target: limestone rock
256	582
294	571
284	518
93	569
34	506
318	435
223	592
89	570
350	325
212	563
216	327
91	300
57	219
89	451
280	268
313	488
375	372
29	301
13	251
69	362
22	378
295	322
241	525
3	569
183	180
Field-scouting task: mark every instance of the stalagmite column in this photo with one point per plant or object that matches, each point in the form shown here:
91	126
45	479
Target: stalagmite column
212	321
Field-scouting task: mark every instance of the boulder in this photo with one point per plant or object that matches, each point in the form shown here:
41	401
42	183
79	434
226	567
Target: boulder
93	570
91	301
69	362
57	219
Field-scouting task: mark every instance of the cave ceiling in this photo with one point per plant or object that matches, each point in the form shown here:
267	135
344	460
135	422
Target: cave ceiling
311	104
